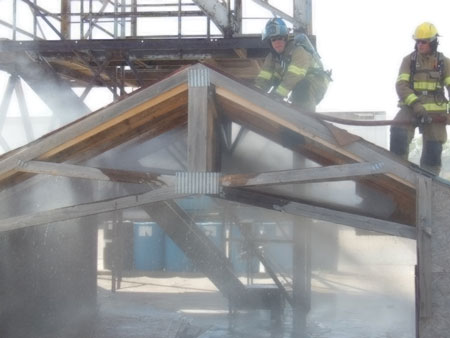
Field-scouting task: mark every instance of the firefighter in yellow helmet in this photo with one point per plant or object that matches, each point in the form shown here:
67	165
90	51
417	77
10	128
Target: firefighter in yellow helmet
292	70
423	76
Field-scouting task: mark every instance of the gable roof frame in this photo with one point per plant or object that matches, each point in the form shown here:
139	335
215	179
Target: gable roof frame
206	88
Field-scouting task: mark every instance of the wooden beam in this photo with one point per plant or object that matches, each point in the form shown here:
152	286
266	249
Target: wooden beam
241	53
127	110
329	215
301	274
322	174
76	211
102	174
208	258
95	123
258	104
424	262
201	125
285	116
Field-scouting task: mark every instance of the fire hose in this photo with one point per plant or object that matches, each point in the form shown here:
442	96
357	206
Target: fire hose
432	119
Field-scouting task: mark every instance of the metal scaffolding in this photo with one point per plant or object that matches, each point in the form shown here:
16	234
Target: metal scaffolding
121	45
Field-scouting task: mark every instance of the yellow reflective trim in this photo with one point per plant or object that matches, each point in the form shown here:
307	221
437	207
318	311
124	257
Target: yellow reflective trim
282	91
425	85
435	107
264	74
296	70
403	77
410	99
447	81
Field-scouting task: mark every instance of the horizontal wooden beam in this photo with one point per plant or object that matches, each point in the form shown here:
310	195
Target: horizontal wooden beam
324	214
308	175
76	211
102	174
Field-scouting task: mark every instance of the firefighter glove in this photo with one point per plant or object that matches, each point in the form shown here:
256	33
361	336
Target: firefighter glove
424	119
419	110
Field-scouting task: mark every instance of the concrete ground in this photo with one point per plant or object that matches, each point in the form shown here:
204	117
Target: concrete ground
158	305
371	304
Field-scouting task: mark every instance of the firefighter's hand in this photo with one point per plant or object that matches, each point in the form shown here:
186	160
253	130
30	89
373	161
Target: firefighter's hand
424	119
419	110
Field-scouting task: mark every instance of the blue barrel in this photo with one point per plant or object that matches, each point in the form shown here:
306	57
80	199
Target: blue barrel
148	246
175	259
241	259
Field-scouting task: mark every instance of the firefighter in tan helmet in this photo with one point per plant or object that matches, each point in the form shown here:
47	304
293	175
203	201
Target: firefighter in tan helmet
292	70
423	76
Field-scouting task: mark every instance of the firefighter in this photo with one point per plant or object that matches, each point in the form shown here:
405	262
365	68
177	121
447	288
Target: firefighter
420	86
292	70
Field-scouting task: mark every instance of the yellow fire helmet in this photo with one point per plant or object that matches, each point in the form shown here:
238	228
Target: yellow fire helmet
426	31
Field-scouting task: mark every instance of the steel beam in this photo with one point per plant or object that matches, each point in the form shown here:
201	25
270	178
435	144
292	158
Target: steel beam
220	15
276	12
7	98
19	30
24	112
57	94
303	15
36	10
65	18
187	45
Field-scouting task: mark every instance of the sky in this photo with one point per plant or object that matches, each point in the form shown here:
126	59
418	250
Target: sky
362	41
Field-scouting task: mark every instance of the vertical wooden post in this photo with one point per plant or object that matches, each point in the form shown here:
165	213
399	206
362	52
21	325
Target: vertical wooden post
301	276
423	207
433	249
301	268
201	141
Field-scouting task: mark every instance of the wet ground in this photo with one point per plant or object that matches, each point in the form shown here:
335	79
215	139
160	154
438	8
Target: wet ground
370	304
